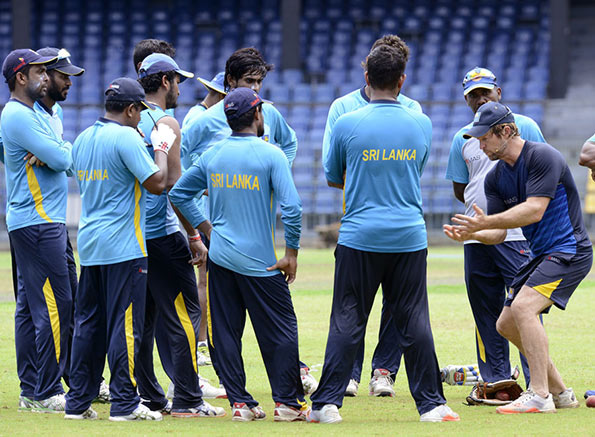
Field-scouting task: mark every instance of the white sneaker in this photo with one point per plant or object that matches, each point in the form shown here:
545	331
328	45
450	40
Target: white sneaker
202	356
167	408
566	399
203	410
27	404
442	413
529	402
209	391
328	414
286	413
140	413
89	413
54	404
381	383
352	388
240	412
308	381
103	396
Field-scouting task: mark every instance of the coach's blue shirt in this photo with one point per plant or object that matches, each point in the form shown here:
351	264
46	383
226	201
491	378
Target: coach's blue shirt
382	149
35	195
350	102
245	177
161	218
195	111
211	126
111	164
541	171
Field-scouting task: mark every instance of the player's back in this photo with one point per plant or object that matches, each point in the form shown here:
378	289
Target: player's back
384	147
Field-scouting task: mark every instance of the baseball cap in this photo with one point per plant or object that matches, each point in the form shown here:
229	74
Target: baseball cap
488	115
62	62
124	89
160	63
479	78
239	101
19	58
215	84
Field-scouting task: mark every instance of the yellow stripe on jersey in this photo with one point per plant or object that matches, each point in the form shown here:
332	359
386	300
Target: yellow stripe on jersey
137	215
344	184
547	289
209	320
129	332
50	301
274	215
35	190
188	328
480	346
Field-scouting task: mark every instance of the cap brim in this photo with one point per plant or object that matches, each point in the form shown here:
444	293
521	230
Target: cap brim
43	60
489	86
148	105
184	75
212	86
70	70
476	132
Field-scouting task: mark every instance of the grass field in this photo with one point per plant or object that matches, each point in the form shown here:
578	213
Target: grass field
571	345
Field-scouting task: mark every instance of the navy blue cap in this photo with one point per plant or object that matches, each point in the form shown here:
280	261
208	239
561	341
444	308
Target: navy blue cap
239	101
488	115
127	90
62	62
160	63
19	58
215	84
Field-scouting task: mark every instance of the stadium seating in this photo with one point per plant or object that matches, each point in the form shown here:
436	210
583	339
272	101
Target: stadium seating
446	38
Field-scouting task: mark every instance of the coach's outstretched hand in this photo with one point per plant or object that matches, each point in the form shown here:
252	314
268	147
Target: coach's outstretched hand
199	253
287	264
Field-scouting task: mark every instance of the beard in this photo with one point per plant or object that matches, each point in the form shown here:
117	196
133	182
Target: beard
36	91
56	94
171	99
260	131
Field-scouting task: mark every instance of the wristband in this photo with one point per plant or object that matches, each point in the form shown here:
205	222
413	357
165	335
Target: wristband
194	237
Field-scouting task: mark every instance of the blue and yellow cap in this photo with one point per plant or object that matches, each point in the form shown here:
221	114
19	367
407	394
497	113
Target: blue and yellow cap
479	78
215	84
160	63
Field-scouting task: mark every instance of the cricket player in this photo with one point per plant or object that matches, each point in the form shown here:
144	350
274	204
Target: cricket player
35	218
530	187
114	171
216	93
377	155
171	279
489	269
387	356
245	177
587	156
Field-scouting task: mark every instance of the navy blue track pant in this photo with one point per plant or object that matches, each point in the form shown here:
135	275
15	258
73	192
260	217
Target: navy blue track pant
387	355
489	272
172	288
108	318
358	275
268	302
43	310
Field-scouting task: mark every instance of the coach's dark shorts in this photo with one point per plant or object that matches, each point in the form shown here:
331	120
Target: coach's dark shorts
554	275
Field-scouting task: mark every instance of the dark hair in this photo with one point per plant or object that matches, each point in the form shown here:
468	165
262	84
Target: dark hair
243	121
117	107
152	82
147	46
385	67
395	42
498	129
12	82
246	60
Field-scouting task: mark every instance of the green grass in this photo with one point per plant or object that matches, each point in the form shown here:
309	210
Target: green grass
571	346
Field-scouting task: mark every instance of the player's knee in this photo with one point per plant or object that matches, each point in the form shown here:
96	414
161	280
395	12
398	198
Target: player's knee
504	324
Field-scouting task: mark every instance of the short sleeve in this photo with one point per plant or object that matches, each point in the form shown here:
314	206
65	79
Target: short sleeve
456	169
133	153
545	168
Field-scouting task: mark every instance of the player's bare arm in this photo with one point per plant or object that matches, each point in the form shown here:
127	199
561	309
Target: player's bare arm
587	157
459	191
174	166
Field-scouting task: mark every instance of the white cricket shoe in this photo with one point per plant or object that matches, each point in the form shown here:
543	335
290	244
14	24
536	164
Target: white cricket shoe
529	402
240	412
203	410
54	404
442	413
381	383
140	413
209	391
328	414
352	388
27	404
566	399
103	396
286	413
308	381
89	414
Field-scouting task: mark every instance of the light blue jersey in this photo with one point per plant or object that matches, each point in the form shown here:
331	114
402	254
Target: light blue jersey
35	195
245	177
53	117
382	149
161	218
111	164
350	102
211	126
195	111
